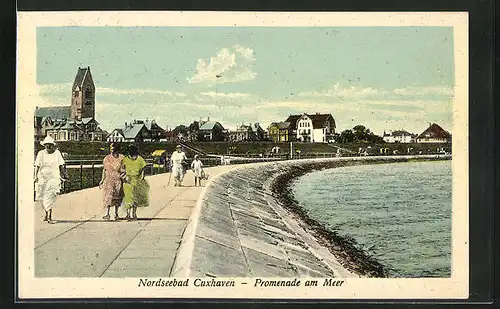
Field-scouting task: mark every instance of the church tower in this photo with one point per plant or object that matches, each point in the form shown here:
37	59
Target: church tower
83	95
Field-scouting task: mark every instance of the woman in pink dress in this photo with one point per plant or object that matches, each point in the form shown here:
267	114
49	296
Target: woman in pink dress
111	182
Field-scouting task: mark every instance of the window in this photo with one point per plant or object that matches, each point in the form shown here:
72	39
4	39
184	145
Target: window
88	95
77	93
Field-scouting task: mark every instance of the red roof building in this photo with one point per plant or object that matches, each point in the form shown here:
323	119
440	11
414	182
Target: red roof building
434	134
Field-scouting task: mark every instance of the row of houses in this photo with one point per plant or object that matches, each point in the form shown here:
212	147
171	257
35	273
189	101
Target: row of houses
306	128
312	128
433	134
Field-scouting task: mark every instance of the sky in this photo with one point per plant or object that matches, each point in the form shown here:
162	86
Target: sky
385	78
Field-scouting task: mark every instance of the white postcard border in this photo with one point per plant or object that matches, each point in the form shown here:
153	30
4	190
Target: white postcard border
353	288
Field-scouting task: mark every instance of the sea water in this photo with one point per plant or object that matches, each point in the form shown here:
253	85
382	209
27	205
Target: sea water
400	213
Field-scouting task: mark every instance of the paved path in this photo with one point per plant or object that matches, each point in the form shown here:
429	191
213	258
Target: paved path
82	244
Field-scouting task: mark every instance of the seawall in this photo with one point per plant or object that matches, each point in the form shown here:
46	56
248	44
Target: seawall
247	224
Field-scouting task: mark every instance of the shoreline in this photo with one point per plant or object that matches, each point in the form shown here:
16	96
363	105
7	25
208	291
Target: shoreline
344	249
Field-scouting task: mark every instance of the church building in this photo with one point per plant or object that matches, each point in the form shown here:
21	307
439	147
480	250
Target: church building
75	122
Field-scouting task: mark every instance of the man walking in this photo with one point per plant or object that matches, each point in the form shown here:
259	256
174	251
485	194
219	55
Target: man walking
176	160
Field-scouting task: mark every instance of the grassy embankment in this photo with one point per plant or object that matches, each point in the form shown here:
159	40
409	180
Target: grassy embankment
97	150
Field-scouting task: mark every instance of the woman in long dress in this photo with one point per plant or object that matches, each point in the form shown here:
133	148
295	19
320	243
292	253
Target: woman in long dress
49	173
111	181
196	166
135	187
177	160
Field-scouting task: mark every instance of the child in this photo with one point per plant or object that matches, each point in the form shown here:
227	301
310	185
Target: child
196	166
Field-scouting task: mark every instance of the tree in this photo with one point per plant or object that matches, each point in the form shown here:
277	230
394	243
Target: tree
346	136
375	139
359	133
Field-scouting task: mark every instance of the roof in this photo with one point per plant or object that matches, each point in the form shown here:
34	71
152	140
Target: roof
292	119
435	131
318	120
132	130
80	77
67	126
194	126
54	112
284	125
180	129
151	125
244	128
117	130
88	119
257	127
400	133
209	125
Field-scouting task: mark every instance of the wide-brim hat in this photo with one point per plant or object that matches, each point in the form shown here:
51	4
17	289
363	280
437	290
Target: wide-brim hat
178	146
48	140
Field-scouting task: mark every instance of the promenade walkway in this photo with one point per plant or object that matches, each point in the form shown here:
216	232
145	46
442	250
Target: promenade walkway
236	229
82	244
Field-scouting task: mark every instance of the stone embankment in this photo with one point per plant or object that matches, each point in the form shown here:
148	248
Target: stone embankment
247	224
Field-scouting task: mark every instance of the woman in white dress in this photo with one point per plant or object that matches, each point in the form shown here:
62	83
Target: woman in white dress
49	173
177	160
196	166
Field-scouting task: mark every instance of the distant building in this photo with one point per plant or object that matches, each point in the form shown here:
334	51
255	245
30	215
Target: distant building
399	136
156	132
212	131
75	122
280	132
315	128
292	126
434	134
136	131
259	132
250	132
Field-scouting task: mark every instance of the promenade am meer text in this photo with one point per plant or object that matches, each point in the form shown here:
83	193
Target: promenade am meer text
257	282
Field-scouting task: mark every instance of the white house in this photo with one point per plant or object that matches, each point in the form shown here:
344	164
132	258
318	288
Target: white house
116	136
132	132
315	128
399	136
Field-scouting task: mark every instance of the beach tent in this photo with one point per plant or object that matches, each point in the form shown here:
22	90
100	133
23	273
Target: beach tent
159	157
158	153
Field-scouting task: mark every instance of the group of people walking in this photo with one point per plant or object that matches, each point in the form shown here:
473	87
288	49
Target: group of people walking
122	181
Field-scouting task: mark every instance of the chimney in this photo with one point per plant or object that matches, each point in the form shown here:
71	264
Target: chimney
208	118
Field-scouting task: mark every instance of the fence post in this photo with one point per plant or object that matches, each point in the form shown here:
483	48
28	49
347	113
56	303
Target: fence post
64	182
81	175
93	173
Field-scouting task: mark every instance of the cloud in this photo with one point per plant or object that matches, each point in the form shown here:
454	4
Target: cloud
229	65
139	92
394	96
424	91
341	92
234	95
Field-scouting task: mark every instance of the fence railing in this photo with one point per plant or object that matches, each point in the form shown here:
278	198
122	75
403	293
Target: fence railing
87	173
